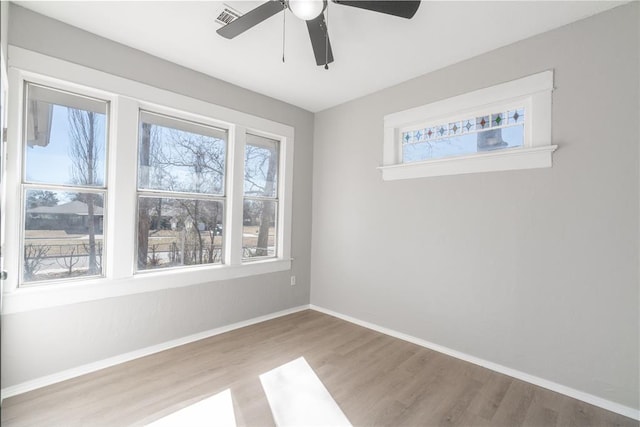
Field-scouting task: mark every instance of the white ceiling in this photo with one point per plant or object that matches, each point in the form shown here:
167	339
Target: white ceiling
372	51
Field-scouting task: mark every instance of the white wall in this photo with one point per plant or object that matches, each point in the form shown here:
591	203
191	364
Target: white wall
536	270
4	27
45	342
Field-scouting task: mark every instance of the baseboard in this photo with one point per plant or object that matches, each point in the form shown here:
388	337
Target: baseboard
550	385
111	361
105	363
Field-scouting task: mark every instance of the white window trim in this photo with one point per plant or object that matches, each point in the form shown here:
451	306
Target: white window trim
127	97
532	92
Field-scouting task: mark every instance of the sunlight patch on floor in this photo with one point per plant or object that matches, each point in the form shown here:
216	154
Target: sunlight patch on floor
216	410
297	397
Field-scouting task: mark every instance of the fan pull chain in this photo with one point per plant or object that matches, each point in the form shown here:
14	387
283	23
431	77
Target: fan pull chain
284	18
326	42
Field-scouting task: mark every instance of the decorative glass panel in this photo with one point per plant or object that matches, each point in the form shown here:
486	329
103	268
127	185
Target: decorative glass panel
483	122
468	125
63	235
515	116
180	156
175	232
68	131
497	120
471	135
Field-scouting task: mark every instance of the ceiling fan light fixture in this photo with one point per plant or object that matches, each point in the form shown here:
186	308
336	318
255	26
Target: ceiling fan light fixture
307	9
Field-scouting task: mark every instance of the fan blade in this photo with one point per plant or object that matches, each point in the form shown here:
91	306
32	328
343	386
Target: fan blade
251	19
401	8
319	40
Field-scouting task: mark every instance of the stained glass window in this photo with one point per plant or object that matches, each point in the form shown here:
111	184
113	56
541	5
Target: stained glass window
483	122
476	134
455	128
515	116
502	127
431	133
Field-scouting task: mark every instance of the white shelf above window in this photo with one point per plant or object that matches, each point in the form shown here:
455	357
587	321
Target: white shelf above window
512	159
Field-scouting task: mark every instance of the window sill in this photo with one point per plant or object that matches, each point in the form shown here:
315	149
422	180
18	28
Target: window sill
520	158
44	296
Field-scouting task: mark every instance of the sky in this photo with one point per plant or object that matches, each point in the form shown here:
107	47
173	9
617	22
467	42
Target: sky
52	164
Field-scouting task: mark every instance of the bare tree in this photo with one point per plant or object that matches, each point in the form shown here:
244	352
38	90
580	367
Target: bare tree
37	198
98	254
205	217
203	155
267	214
192	210
34	256
144	203
69	260
261	183
165	156
85	150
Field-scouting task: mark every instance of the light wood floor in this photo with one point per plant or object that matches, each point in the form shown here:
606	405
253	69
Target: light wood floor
374	378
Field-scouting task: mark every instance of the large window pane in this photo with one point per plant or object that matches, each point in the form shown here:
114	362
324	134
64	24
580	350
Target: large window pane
259	230
68	131
259	236
261	167
175	232
180	156
63	235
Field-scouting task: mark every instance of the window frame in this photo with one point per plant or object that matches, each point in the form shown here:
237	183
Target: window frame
188	119
274	198
127	98
26	185
534	93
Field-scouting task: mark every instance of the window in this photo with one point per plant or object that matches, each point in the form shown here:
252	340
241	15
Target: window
503	127
64	184
476	134
260	208
181	177
123	188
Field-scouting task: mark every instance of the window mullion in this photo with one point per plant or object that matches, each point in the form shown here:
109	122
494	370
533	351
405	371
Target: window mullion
235	190
121	205
180	195
68	188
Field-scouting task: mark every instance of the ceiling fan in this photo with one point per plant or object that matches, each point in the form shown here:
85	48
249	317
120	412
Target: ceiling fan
311	11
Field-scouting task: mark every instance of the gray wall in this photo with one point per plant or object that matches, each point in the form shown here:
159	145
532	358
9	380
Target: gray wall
536	270
47	341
